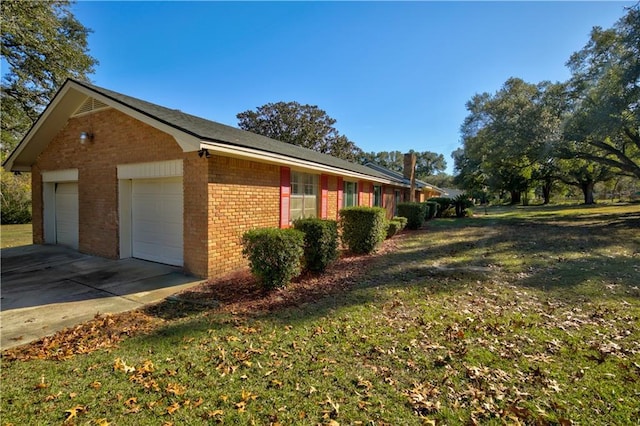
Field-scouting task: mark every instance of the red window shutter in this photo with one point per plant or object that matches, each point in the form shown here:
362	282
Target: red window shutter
340	193
324	195
370	194
285	196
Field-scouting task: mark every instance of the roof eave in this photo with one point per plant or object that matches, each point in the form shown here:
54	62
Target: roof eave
56	115
273	158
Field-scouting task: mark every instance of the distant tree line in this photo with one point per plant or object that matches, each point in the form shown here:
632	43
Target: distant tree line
579	132
311	127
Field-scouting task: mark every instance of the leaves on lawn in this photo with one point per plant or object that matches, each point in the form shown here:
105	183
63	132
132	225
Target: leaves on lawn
102	332
461	342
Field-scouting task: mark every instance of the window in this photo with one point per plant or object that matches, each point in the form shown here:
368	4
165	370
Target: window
377	196
398	199
304	195
350	194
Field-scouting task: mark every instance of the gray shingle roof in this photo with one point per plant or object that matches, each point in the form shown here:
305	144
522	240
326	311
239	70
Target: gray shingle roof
210	131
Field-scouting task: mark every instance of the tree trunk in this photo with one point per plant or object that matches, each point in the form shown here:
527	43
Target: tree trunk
546	191
515	197
587	191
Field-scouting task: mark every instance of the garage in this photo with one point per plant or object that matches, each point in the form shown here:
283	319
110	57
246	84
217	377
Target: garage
157	220
66	214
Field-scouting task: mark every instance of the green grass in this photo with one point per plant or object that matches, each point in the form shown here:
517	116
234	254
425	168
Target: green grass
15	235
527	315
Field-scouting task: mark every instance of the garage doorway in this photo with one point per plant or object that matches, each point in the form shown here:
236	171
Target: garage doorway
156	220
66	211
151	211
61	207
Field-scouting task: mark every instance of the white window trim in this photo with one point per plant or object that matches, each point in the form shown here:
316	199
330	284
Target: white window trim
66	175
303	195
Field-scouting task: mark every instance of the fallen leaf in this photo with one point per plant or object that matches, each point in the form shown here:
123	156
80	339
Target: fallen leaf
173	407
42	384
215	413
175	389
52	397
120	365
95	385
131	401
72	413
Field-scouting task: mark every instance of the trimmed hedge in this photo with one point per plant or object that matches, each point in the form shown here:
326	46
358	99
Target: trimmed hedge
443	204
402	220
414	212
433	209
363	228
393	227
320	242
274	254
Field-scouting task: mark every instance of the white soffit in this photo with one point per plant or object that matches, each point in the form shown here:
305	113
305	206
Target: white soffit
294	163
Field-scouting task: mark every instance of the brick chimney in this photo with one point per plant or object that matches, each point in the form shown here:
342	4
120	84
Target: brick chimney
409	172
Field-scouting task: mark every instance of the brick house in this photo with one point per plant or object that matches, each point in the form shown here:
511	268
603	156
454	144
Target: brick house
118	177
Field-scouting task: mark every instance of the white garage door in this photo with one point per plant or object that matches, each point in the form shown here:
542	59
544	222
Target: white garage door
66	206
156	220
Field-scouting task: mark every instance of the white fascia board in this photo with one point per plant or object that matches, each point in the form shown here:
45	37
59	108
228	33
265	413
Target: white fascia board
42	120
269	157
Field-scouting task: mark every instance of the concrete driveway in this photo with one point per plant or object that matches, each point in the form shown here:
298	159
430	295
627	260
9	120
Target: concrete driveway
47	288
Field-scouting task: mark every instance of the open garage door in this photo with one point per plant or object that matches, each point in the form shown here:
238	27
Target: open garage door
66	214
156	220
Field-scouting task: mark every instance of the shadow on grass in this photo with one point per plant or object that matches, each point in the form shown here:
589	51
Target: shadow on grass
564	256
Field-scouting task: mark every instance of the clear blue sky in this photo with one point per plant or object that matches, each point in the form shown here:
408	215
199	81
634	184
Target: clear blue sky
395	76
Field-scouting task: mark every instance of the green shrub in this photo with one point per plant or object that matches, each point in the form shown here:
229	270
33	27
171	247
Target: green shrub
433	209
15	196
414	212
274	254
393	227
449	212
402	220
443	204
320	242
461	204
363	228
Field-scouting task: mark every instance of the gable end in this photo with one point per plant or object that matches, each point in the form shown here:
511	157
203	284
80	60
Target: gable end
89	105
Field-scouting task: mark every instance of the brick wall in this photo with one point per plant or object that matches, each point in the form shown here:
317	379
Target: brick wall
332	199
195	218
37	224
223	196
243	195
118	139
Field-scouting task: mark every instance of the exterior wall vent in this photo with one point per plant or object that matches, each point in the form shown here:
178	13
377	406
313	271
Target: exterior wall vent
90	105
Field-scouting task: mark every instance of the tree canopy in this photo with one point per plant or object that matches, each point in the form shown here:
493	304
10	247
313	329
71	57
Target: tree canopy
303	125
605	87
43	45
427	163
579	132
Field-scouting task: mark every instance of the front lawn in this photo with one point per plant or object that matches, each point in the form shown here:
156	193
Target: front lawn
15	235
521	316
